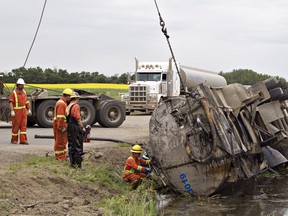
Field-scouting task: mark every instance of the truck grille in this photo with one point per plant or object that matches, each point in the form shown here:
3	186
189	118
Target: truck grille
137	94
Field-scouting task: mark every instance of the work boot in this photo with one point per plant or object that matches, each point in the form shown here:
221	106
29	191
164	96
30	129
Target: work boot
24	143
134	184
71	160
13	142
78	165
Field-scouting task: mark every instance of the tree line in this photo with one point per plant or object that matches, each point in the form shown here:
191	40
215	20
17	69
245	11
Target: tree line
247	77
49	76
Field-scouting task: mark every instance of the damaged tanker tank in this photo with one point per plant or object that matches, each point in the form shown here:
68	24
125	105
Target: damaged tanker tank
214	136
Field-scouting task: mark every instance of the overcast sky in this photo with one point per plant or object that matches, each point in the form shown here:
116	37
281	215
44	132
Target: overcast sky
106	36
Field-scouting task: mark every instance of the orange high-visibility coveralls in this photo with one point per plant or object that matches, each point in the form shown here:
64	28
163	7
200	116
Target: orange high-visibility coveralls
133	169
60	129
19	121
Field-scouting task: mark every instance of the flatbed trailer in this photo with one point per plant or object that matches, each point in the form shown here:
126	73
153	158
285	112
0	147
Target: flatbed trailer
103	109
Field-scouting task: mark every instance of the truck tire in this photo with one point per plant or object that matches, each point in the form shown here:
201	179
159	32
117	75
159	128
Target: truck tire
45	113
111	114
87	112
30	122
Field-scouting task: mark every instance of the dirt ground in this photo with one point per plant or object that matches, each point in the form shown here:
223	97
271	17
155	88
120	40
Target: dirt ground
30	192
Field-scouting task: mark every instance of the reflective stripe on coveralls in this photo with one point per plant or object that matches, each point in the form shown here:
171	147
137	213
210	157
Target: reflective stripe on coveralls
133	170
19	121
59	124
60	152
16	101
60	116
131	174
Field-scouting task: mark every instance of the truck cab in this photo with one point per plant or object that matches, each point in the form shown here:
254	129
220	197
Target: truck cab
152	83
156	81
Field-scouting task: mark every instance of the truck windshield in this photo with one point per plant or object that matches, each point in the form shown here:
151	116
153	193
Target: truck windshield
149	77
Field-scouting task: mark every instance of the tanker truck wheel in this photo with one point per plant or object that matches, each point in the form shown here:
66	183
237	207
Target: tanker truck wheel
111	114
87	112
45	113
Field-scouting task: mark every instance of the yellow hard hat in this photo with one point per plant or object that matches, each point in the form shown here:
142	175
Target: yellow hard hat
68	91
136	149
75	95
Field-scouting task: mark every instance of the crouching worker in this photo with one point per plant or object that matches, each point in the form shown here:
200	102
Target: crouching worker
75	132
133	171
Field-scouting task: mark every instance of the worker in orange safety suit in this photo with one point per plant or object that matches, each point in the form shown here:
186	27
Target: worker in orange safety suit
76	131
19	109
60	125
133	171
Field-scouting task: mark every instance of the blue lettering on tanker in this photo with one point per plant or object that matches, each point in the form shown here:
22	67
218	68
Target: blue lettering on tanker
184	180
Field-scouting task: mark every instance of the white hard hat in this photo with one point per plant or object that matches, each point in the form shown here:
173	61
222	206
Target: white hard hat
20	81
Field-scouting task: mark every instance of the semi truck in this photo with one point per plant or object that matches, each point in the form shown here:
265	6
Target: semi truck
155	81
93	108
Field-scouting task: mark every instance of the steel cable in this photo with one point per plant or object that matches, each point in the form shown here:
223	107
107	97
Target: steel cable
36	33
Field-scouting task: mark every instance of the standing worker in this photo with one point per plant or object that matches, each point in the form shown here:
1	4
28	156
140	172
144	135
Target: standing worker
133	171
60	125
20	108
75	132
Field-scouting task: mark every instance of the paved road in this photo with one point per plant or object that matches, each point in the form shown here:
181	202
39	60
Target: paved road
134	129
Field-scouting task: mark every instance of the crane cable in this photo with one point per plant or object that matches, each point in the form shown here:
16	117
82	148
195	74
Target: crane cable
203	102
164	30
42	13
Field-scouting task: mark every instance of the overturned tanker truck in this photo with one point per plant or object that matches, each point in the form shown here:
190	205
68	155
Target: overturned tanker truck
210	137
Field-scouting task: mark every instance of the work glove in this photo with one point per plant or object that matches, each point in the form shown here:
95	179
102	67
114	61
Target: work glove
148	169
29	113
83	130
12	113
63	129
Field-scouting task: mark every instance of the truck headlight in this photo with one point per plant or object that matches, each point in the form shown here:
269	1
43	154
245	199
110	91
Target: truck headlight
153	97
124	97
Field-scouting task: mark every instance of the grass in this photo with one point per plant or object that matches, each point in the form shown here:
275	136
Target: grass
120	199
138	202
4	209
100	175
33	161
124	145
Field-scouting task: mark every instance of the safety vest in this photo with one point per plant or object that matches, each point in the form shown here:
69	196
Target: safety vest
16	104
57	116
